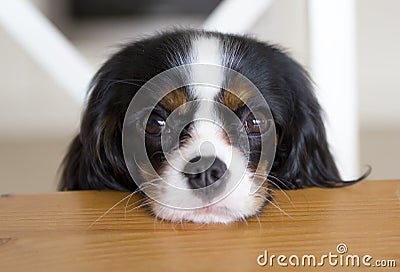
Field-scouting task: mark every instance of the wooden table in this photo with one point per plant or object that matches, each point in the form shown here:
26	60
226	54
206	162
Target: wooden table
49	232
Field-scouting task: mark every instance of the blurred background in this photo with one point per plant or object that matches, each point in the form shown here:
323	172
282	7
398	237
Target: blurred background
38	118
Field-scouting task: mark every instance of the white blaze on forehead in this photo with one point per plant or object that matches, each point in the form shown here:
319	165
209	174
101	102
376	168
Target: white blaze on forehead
206	50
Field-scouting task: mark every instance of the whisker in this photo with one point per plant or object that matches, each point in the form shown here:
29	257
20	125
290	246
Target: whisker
281	181
259	222
145	203
105	213
156	216
276	206
154	220
279	208
280	189
173	226
127	202
133	204
276	185
144	186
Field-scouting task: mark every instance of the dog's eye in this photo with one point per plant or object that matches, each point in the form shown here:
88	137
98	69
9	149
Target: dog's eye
256	124
155	125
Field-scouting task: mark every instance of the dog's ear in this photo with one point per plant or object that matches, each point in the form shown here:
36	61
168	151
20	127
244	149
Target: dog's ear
95	161
302	156
95	158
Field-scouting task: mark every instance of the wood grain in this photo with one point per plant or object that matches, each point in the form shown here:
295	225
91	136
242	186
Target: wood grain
50	232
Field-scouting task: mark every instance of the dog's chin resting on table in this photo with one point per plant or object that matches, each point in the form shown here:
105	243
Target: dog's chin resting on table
240	179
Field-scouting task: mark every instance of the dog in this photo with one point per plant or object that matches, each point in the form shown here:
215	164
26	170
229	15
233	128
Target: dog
180	150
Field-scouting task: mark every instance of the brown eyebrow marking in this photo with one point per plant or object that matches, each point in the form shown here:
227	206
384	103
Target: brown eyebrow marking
230	100
237	93
174	99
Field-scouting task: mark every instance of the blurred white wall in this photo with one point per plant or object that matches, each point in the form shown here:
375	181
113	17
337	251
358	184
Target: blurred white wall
378	63
37	118
31	103
378	55
285	24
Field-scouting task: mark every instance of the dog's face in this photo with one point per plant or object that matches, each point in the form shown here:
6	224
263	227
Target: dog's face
204	142
229	120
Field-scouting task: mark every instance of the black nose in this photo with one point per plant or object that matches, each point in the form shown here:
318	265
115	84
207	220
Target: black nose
199	177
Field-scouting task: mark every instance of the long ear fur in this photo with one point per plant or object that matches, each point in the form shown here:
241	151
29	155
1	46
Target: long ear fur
302	157
95	159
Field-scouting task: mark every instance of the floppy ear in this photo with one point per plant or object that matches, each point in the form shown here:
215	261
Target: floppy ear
93	161
302	157
95	158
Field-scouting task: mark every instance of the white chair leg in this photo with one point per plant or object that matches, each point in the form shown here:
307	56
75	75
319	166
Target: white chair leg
332	56
47	46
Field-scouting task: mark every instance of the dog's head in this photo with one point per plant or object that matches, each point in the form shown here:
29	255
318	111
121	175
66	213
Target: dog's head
205	123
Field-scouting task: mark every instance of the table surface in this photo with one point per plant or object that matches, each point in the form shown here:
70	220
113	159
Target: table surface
52	232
